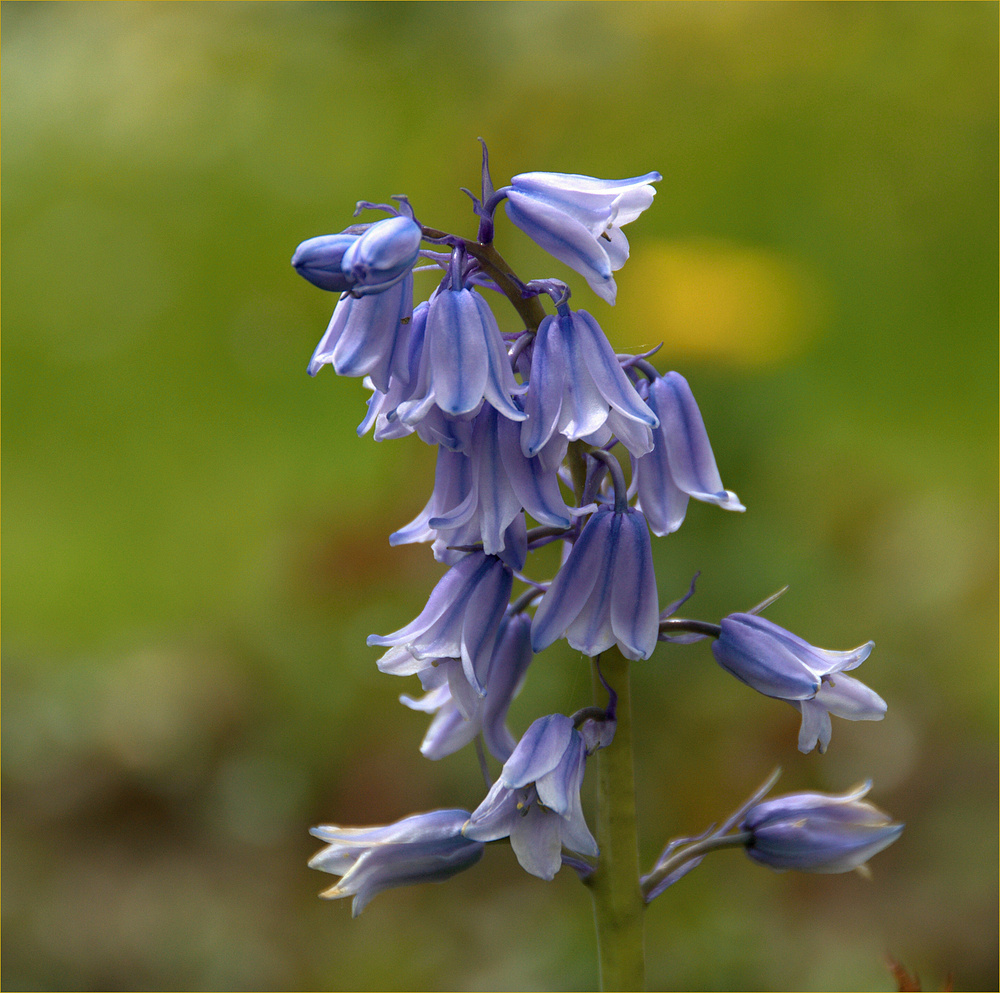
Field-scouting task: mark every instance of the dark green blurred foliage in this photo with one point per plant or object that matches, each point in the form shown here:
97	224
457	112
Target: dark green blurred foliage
196	542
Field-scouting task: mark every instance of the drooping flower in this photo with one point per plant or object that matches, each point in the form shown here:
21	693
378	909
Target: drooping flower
319	260
779	664
423	848
479	493
435	427
536	800
578	219
367	335
577	388
383	255
462	617
459	712
681	464
818	832
464	360
605	593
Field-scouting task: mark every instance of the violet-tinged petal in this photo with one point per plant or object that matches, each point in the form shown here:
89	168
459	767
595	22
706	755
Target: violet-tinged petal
841	696
452	494
849	698
399	661
571	588
536	839
536	488
482	619
448	732
442	597
681	464
500	381
607	371
459	359
365	334
780	664
492	819
577	219
455	622
424	848
557	786
748	650
584	407
536	800
543	401
635	618
630	196
564	238
498	505
539	751
511	657
591	631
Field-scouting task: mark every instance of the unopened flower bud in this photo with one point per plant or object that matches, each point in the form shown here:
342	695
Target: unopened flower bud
319	261
382	256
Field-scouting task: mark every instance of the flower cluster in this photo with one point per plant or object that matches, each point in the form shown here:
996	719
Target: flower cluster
543	434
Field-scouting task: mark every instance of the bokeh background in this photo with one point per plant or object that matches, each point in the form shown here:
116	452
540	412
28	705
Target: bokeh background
195	541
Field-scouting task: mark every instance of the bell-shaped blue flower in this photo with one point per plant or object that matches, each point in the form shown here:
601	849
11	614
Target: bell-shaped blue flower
367	335
423	848
382	255
779	664
577	388
459	712
578	219
462	617
681	464
605	592
319	261
464	360
536	800
818	832
479	493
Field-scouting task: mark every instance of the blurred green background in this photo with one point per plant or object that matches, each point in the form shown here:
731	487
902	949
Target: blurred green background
195	541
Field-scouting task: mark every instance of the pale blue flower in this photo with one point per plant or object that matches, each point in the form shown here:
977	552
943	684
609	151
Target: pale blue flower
779	664
578	219
367	335
578	389
459	712
464	360
681	464
605	593
818	832
423	848
462	617
478	493
536	800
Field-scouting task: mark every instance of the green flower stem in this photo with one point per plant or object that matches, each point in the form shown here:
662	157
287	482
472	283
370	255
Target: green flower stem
614	885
